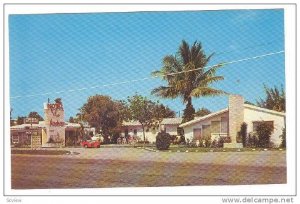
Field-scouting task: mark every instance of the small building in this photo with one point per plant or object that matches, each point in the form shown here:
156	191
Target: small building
135	129
170	125
227	122
31	134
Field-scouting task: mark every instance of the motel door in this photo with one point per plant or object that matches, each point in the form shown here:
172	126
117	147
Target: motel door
197	133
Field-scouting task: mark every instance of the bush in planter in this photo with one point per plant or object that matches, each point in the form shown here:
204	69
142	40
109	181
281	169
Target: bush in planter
163	141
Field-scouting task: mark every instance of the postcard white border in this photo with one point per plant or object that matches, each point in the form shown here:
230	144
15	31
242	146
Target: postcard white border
278	189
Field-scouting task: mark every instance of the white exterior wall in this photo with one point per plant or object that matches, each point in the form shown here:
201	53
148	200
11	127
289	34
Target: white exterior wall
251	115
150	135
171	129
189	130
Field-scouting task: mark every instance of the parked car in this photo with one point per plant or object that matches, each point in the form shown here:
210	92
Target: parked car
98	137
91	143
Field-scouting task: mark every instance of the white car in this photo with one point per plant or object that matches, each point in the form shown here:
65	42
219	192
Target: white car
97	137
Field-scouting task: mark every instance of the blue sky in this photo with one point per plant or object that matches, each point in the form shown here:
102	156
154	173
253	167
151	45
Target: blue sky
60	52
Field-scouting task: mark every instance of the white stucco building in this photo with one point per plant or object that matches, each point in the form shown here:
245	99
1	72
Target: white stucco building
134	128
227	122
170	125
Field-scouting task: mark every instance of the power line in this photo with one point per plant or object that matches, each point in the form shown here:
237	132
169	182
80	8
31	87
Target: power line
152	77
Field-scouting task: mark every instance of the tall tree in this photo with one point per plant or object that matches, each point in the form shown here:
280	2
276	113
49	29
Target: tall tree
202	112
275	99
187	76
147	112
71	119
140	110
101	112
58	100
20	120
36	115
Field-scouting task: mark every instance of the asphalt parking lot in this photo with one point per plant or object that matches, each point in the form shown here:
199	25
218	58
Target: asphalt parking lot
132	167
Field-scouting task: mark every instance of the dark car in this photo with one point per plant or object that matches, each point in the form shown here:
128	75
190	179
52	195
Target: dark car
91	143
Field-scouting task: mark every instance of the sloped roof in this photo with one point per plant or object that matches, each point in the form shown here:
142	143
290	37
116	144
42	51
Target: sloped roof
263	110
131	123
23	126
75	125
171	121
42	125
198	119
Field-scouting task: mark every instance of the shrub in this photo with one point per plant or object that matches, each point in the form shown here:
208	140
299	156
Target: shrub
283	139
243	133
182	139
218	143
253	140
163	141
205	142
264	132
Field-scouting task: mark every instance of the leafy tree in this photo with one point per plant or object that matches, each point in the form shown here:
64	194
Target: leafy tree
58	100
141	110
250	103
275	99
101	112
125	114
159	112
11	120
20	120
202	112
147	112
188	113
71	120
187	76
34	114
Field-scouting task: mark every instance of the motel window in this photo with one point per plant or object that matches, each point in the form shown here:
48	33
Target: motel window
256	123
215	126
224	125
206	131
135	131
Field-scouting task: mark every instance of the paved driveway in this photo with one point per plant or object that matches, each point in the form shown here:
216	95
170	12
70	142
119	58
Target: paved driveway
129	167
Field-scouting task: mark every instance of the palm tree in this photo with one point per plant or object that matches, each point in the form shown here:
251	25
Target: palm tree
275	99
187	76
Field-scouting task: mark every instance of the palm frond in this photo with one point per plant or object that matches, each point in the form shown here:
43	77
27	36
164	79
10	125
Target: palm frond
165	92
209	80
184	51
156	73
206	91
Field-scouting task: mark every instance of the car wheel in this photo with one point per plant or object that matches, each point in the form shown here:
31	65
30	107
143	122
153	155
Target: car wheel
85	146
98	146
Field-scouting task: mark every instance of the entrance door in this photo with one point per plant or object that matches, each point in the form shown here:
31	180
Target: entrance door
197	133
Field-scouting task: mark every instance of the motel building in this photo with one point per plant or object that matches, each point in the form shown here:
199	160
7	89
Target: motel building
227	123
53	132
135	129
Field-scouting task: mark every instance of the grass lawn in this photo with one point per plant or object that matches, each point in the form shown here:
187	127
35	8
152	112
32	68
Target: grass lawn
183	148
40	152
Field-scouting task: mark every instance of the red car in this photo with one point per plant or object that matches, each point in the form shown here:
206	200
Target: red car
91	143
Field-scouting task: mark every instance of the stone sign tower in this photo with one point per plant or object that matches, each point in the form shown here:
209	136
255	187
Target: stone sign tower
54	135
